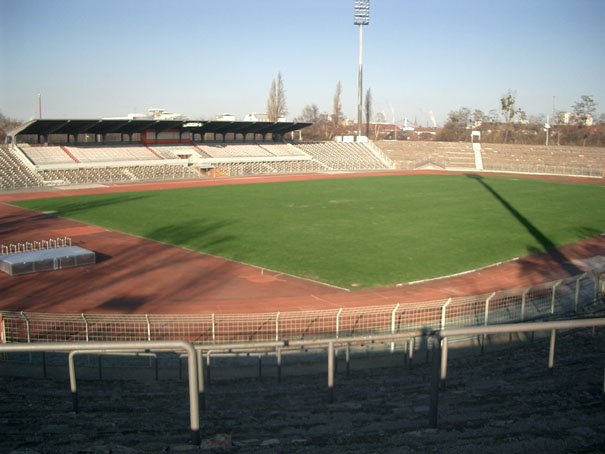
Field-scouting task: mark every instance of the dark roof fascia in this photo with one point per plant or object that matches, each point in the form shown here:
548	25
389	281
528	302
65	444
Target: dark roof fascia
130	126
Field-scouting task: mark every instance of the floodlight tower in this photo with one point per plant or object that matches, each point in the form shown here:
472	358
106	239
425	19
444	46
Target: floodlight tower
361	18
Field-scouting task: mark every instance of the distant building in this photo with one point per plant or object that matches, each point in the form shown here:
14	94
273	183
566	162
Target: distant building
225	117
381	118
261	117
154	113
571	118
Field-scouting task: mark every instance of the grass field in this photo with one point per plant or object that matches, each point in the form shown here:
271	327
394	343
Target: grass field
358	232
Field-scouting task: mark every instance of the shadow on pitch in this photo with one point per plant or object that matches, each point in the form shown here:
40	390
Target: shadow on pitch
548	247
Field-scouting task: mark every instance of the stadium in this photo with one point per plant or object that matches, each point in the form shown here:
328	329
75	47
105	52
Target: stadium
92	183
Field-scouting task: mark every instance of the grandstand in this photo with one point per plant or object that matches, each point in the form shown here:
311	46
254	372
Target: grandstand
167	152
170	149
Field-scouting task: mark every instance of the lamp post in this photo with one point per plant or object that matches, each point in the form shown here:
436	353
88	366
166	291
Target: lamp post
361	18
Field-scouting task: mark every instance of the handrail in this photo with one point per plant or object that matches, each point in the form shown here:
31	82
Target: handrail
177	346
196	370
72	366
439	373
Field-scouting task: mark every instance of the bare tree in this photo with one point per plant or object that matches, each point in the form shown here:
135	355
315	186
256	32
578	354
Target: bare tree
456	127
6	125
583	111
317	130
507	106
311	113
336	110
276	104
368	111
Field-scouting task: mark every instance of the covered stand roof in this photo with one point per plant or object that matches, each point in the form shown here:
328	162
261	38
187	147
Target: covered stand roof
127	126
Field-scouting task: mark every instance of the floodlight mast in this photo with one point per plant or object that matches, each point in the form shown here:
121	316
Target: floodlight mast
361	18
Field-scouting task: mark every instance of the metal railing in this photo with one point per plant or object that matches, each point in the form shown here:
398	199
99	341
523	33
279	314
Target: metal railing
566	296
542	169
441	338
196	364
125	347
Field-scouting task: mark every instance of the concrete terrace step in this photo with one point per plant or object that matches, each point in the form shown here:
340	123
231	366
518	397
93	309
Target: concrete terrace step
502	401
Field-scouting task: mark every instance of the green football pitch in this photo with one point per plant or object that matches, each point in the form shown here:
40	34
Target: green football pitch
357	232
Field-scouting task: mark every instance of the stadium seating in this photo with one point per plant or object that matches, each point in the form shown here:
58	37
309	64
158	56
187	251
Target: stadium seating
112	154
343	155
552	159
14	174
34	165
414	155
544	159
47	155
117	174
233	150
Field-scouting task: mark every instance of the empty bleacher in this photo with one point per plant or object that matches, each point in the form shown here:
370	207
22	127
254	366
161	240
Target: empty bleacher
585	161
47	155
112	154
414	155
282	149
172	151
234	150
14	174
117	174
588	161
343	155
30	166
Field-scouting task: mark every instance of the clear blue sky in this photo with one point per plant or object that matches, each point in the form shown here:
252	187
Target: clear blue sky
93	58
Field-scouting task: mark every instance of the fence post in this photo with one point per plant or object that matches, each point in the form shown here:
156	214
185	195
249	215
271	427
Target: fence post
486	319
26	327
551	351
582	276
85	325
278	359
3	336
523	300
554	293
443	310
208	367
148	328
443	363
393	325
277	327
72	381
338	322
348	357
434	398
330	372
213	329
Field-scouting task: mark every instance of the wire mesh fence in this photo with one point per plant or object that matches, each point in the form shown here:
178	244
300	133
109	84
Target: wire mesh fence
567	296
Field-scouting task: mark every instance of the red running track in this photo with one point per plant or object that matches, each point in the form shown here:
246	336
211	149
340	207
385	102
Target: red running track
136	275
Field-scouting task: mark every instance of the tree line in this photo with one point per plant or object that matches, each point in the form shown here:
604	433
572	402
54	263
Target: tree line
511	124
508	124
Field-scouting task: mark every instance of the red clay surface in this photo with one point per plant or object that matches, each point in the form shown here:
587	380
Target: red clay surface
135	275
